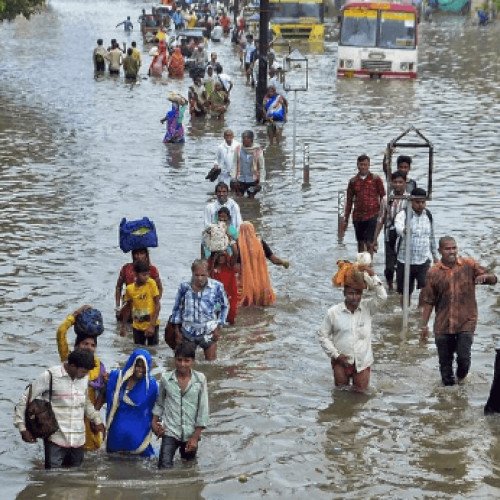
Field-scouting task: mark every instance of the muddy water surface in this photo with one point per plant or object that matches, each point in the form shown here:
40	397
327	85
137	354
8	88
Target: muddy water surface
77	155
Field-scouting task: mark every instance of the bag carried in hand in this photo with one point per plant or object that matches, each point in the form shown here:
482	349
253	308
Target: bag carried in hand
137	234
40	419
213	174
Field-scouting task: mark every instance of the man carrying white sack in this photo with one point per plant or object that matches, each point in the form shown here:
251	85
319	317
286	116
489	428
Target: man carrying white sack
346	332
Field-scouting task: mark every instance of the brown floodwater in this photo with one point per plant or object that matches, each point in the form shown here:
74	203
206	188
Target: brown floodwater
78	154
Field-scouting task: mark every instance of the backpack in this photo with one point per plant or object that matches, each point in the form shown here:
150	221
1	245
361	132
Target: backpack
99	58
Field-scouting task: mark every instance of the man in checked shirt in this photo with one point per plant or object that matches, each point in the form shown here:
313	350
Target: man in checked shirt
364	192
200	310
451	291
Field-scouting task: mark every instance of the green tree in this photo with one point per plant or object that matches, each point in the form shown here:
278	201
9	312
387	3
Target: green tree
9	9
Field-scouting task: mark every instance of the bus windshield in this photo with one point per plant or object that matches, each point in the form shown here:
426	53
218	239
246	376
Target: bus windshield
397	30
359	28
290	10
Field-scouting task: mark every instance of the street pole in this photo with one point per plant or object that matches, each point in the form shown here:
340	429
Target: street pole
340	217
305	173
406	285
261	89
294	141
236	8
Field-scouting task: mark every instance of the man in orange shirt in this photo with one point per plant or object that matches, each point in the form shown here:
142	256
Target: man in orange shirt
450	289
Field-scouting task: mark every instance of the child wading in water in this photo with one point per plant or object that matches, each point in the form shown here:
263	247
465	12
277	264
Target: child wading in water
143	298
181	410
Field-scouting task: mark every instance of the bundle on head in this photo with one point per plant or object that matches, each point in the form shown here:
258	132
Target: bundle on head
352	274
256	286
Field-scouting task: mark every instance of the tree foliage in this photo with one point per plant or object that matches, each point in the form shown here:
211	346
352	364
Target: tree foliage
9	9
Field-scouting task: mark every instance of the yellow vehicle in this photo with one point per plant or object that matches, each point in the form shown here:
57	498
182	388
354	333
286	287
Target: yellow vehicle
303	19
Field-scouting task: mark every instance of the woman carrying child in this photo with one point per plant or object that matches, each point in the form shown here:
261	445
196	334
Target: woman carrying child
223	265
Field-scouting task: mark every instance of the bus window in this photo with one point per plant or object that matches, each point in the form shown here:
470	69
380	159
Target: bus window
397	30
291	10
359	28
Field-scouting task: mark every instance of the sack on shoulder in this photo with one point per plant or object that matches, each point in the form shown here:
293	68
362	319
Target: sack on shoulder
40	419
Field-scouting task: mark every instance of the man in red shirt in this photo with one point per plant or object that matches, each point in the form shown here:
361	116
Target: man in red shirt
365	192
450	289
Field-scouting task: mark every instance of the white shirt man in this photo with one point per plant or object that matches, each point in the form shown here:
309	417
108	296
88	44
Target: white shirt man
210	214
70	403
226	158
217	33
346	333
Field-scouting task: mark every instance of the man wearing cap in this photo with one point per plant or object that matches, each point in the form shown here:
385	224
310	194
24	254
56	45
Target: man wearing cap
345	334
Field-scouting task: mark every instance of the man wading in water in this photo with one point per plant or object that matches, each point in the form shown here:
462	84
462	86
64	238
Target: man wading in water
451	290
345	334
365	192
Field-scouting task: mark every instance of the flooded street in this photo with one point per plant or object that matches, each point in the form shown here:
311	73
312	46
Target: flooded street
77	155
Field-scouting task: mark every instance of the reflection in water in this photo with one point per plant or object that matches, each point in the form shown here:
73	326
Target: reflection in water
78	154
174	155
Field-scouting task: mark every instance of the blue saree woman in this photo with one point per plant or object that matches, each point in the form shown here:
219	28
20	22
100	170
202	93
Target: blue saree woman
130	397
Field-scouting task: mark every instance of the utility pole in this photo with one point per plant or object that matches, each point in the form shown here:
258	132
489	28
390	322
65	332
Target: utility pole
236	8
265	16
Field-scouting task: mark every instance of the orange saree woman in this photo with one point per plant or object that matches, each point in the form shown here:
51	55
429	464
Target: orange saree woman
176	64
256	286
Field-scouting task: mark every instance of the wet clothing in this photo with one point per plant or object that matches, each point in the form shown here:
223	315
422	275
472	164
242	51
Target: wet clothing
175	129
59	456
225	159
418	276
365	194
181	412
365	229
136	54
141	338
267	250
275	108
423	242
156	66
168	448
493	403
176	64
452	292
200	313
226	274
388	211
127	25
347	333
127	273
250	163
99	57
449	345
130	67
211	210
219	101
70	403
96	380
129	411
142	302
115	58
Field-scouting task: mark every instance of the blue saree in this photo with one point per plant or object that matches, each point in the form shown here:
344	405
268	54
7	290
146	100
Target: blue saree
129	413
